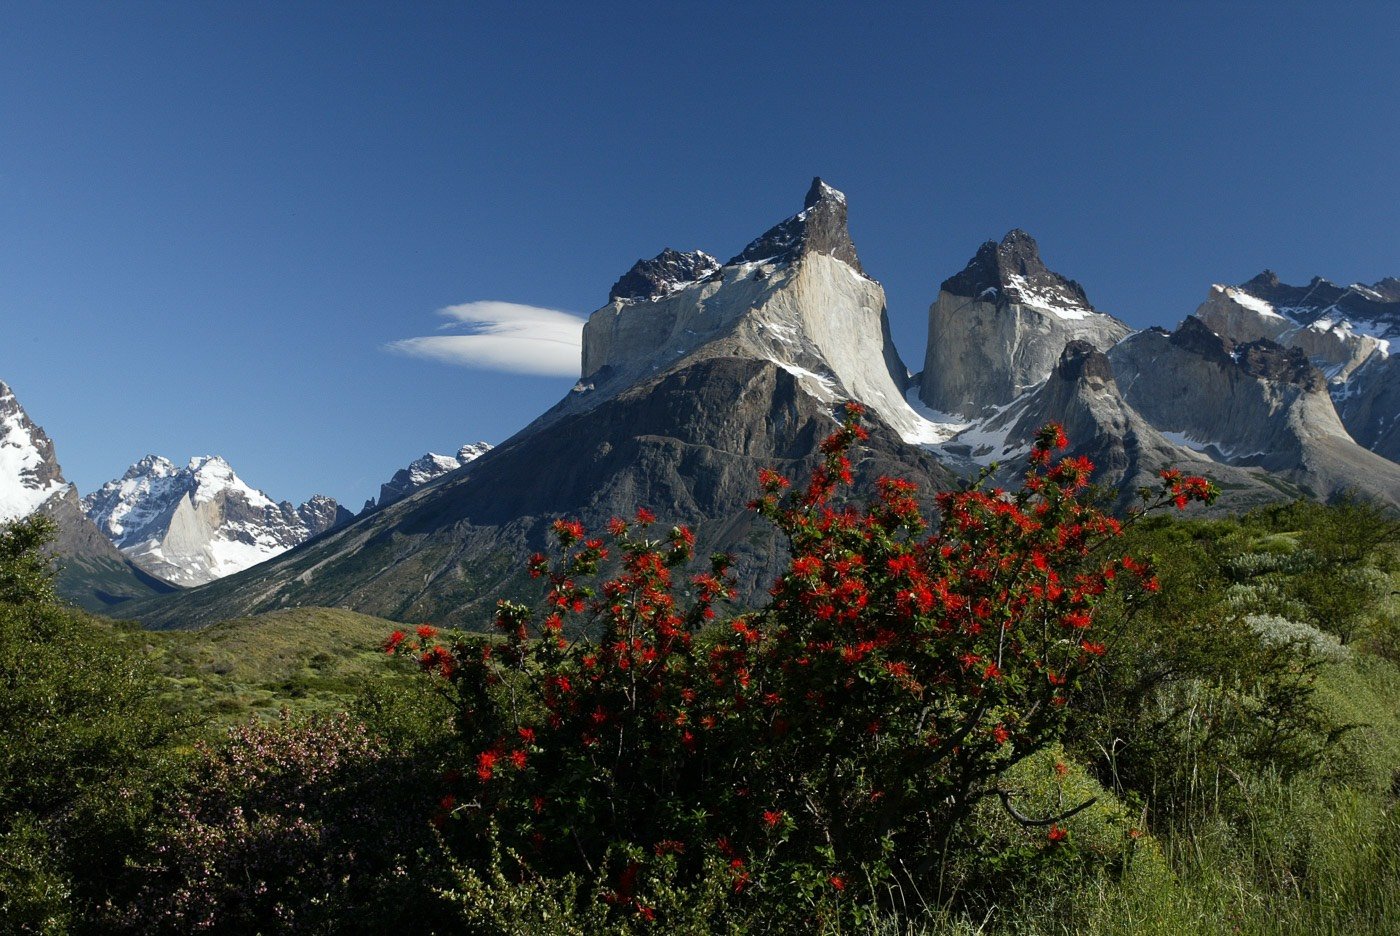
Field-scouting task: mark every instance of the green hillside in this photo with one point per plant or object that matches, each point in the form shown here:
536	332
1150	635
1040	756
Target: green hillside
305	659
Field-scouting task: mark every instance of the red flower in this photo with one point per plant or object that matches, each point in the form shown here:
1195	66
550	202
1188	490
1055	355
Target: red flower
396	638
486	765
1056	834
645	517
427	631
771	817
838	882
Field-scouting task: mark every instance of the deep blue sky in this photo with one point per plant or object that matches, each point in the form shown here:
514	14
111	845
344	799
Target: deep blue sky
213	217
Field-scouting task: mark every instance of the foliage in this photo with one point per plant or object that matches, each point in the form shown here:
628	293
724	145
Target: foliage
304	824
311	660
81	746
847	730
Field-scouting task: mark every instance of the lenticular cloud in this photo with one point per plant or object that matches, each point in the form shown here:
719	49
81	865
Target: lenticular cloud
503	336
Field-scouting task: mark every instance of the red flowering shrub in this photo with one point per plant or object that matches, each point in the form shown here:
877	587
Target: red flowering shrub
845	728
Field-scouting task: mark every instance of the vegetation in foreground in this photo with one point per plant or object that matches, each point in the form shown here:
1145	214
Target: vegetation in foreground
1006	726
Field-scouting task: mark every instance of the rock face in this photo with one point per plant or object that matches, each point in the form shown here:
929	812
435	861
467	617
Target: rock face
819	228
1127	451
796	296
194	524
1345	331
1254	404
423	471
92	573
997	328
684	396
663	275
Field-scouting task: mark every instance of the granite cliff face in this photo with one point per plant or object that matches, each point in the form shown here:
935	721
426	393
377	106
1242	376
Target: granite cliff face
1349	333
998	327
1127	451
1253	404
796	296
92	573
689	387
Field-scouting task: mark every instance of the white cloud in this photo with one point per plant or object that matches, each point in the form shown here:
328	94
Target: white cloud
504	336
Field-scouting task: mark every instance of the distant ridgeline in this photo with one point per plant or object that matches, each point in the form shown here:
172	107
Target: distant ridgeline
697	373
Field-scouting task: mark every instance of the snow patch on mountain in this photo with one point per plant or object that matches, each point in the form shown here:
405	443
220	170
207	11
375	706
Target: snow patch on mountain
422	471
25	455
194	524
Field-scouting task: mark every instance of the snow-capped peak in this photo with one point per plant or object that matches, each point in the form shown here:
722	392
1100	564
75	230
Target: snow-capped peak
422	470
201	522
29	473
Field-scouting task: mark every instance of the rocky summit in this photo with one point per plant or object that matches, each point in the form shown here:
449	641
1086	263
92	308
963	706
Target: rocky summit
423	471
996	329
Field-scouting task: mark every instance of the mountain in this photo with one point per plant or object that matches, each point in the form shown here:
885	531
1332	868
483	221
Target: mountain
695	374
1255	404
687	390
423	471
194	524
1128	453
1349	332
999	326
92	573
796	297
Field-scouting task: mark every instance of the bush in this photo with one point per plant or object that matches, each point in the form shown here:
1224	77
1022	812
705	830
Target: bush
300	825
82	747
843	733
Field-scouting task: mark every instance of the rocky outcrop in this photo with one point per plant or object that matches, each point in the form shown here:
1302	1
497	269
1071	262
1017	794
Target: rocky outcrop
998	327
1346	332
799	300
1255	404
819	228
663	274
1127	451
194	524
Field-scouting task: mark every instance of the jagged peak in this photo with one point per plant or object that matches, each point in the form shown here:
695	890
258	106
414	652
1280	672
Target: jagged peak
1376	306
1012	271
663	274
1197	337
1271	361
473	450
157	465
1265	359
820	228
1388	288
1081	361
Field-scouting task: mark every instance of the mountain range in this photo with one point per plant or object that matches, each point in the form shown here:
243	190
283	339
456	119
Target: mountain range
696	373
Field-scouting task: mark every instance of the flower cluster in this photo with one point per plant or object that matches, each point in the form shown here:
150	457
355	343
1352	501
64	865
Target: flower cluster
893	675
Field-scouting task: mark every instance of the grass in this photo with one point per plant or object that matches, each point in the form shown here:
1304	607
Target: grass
305	659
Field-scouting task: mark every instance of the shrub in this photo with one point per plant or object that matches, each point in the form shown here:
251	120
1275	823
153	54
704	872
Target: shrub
295	826
843	732
82	746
